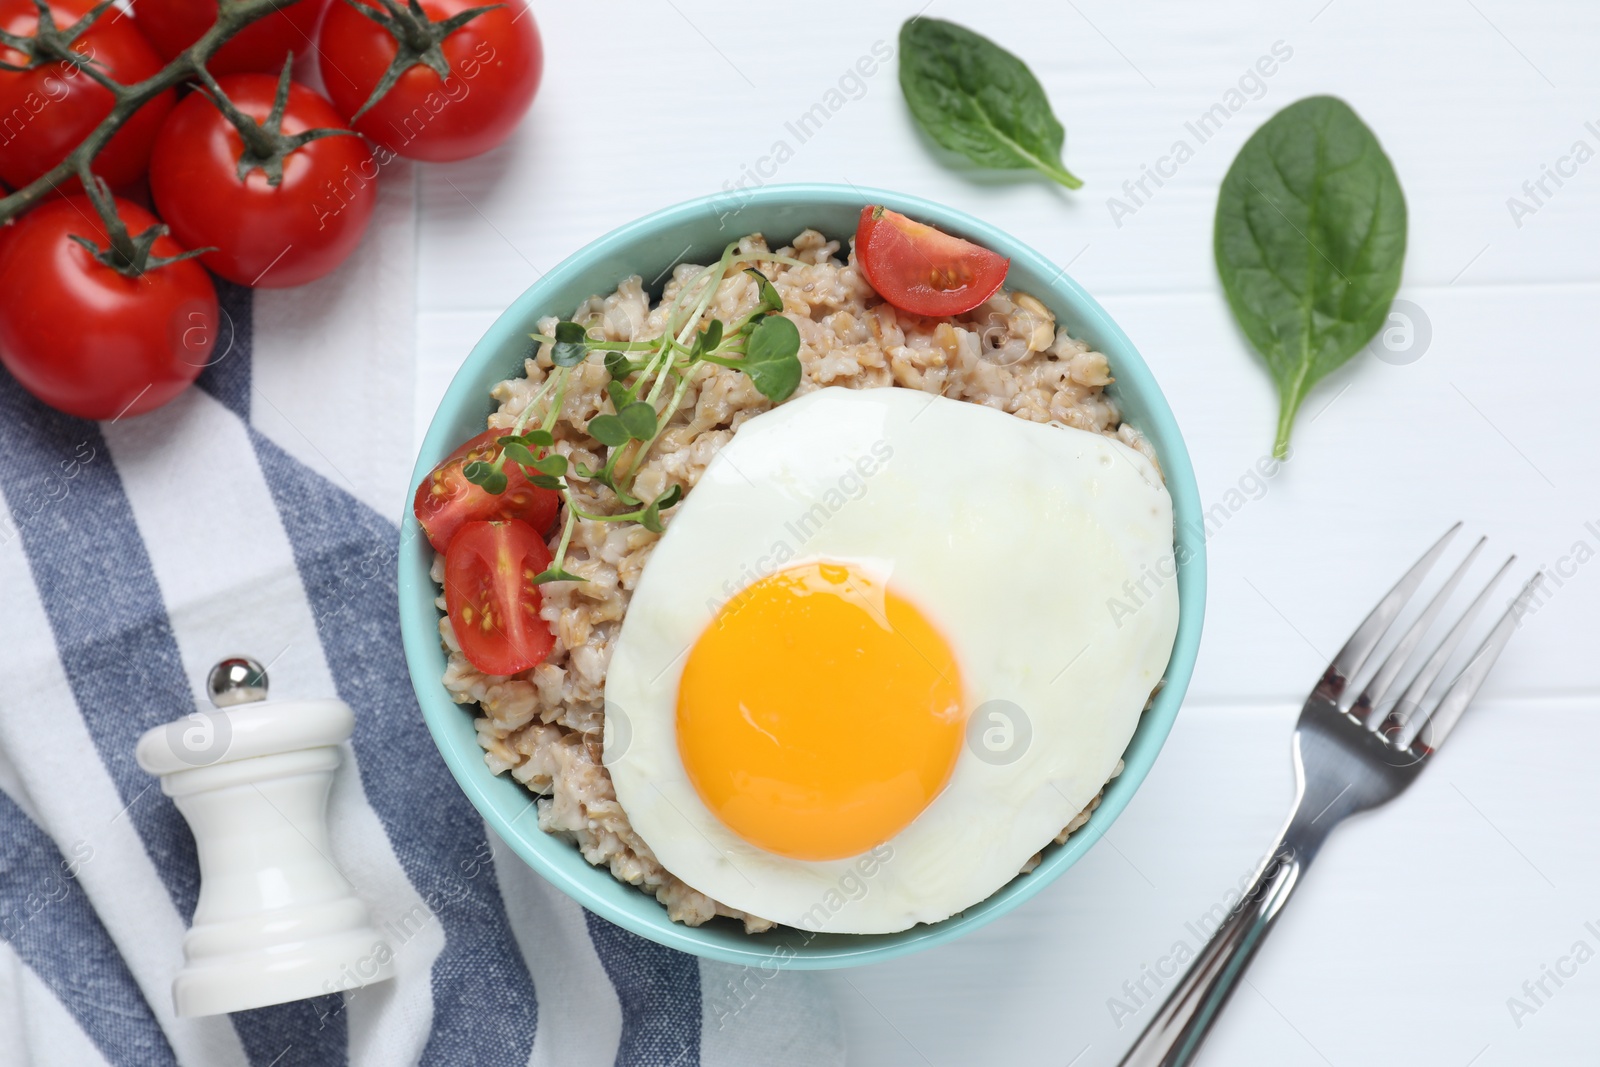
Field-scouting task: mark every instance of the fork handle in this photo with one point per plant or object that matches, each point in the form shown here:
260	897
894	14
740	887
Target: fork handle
1175	1034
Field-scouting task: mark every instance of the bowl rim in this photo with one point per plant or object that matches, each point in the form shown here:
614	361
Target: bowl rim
419	616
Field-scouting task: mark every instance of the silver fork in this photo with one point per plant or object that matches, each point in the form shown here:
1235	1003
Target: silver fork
1348	757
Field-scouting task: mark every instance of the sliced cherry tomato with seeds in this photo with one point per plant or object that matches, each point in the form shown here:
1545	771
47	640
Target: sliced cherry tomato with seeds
491	597
445	499
924	270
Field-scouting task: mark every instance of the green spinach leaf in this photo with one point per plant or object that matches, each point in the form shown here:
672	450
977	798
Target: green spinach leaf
973	97
1310	240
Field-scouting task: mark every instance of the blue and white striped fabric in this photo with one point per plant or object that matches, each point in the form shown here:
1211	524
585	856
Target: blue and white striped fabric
257	514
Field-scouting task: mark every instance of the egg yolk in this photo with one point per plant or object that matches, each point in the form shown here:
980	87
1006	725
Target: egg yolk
819	713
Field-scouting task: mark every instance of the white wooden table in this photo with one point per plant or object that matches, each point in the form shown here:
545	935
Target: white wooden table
1421	923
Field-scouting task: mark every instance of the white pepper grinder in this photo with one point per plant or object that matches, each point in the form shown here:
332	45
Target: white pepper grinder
276	921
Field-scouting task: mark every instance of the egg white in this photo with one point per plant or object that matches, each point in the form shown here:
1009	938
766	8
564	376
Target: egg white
1015	538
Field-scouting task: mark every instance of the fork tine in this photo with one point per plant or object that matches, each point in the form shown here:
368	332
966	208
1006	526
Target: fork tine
1354	654
1397	725
1372	696
1454	703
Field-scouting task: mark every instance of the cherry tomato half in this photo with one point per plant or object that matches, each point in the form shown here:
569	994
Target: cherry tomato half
495	62
270	236
491	598
48	110
86	339
173	25
923	270
445	499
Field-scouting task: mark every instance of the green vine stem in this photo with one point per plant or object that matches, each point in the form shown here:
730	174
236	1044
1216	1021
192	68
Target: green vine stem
128	254
265	144
417	38
232	16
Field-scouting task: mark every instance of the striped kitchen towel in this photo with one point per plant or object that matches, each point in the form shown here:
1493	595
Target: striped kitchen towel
133	555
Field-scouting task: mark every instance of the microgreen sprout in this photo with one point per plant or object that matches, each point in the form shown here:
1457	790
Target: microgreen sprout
648	382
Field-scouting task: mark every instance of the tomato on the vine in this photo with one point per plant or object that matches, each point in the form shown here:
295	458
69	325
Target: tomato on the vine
446	500
50	109
491	598
923	270
87	339
495	63
173	25
266	235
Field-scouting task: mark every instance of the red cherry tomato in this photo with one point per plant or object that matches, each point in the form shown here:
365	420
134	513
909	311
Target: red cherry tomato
46	111
491	598
173	25
445	499
495	63
271	236
87	340
923	270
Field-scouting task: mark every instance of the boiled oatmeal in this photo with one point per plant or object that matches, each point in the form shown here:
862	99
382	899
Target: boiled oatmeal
545	725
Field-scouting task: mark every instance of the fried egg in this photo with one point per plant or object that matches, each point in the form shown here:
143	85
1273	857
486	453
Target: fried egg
890	645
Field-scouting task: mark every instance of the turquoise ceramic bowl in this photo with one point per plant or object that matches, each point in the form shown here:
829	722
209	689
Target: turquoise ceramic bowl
696	232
